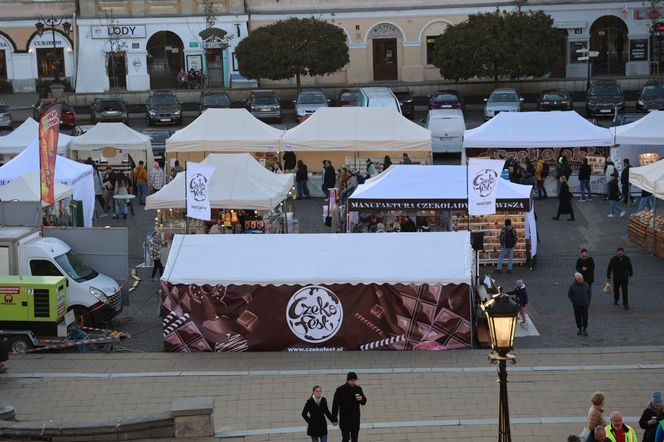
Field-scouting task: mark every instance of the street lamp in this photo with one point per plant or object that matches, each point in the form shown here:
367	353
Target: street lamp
586	58
501	312
51	23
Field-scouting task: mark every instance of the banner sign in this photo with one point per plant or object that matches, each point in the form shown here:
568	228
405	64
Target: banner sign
308	318
452	205
483	176
49	126
118	31
197	179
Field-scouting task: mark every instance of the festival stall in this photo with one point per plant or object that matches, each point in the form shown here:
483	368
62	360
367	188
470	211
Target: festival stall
642	141
304	300
435	198
646	228
21	137
68	172
26	188
527	135
247	198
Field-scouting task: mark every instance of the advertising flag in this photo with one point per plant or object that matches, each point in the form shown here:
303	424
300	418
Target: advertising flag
483	176
49	126
197	180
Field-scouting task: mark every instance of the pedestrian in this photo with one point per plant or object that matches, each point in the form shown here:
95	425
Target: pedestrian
176	169
614	196
596	412
407	224
371	168
154	247
121	190
405	159
564	200
651	417
276	167
609	171
141	182
620	266
647	200
329	178
586	266
156	179
508	239
624	181
541	172
346	405
99	189
617	431
351	185
584	179
301	179
289	161
521	298
579	294
314	412
563	169
597	435
387	162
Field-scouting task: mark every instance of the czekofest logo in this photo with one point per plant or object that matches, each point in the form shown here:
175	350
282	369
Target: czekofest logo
314	314
484	182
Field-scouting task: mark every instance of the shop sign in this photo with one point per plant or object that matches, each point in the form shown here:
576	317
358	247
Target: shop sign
47	43
314	314
573	47
193	44
118	31
430	205
638	50
647	14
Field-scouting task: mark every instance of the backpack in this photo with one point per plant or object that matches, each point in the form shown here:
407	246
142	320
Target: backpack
545	170
510	238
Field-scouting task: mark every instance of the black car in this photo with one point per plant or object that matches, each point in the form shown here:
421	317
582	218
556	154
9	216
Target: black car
651	97
163	107
554	99
406	101
108	110
446	99
604	98
214	99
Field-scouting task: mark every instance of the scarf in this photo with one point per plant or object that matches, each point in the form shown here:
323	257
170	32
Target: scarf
317	401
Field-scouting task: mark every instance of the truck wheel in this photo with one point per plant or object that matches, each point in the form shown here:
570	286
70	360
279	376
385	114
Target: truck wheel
20	344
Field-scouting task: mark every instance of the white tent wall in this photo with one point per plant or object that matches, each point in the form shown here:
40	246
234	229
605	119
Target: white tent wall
27	187
21	137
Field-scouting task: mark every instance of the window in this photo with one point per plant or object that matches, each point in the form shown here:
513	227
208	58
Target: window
50	62
431	47
43	267
3	66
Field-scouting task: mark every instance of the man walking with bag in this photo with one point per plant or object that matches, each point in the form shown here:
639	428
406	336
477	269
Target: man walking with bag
508	239
346	405
620	267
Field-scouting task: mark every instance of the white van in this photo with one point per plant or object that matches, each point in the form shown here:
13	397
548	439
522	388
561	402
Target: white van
377	97
447	127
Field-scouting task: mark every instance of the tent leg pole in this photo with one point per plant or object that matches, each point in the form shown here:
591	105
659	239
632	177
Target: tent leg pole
654	223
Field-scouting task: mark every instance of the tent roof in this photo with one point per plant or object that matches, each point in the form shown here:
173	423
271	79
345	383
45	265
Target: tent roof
537	130
238	182
648	130
428	184
395	258
117	135
649	178
225	130
27	188
357	129
23	135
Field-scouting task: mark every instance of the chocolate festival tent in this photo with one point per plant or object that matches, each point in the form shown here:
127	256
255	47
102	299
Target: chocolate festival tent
16	141
283	292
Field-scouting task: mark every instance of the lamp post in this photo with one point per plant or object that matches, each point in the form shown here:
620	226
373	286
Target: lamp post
589	55
501	312
51	24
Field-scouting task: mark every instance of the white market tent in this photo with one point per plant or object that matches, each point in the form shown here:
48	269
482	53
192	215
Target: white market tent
444	257
537	130
238	182
225	130
116	135
357	129
649	178
68	172
16	141
648	130
27	188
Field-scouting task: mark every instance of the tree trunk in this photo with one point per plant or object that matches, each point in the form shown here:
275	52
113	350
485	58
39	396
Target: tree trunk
297	82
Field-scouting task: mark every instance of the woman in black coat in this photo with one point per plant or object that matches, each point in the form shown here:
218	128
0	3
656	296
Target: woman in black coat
564	200
314	413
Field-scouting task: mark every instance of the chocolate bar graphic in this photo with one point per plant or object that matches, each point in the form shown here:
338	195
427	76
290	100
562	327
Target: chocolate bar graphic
248	320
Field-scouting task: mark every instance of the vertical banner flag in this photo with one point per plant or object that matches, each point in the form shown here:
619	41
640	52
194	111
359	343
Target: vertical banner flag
197	180
483	176
49	126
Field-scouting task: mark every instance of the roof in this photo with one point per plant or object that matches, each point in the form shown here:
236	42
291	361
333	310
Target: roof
17	140
27	188
117	135
395	258
644	131
649	178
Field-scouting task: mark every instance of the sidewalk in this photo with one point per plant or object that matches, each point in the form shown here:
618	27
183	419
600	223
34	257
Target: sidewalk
412	396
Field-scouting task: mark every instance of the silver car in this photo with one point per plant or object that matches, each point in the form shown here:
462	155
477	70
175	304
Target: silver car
502	100
308	101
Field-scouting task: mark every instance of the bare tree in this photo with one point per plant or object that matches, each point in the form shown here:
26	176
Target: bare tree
116	49
212	37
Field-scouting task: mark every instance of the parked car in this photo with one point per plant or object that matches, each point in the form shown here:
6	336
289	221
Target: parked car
622	119
348	98
264	104
502	100
158	141
108	110
308	101
77	131
67	114
163	107
217	99
651	97
604	97
447	127
446	99
554	99
378	97
6	121
406	101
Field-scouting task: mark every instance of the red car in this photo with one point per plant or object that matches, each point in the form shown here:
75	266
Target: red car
67	115
446	99
347	98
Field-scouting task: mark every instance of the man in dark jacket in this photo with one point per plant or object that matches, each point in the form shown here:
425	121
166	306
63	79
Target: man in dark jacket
614	197
621	268
329	177
624	180
597	435
586	266
346	405
651	416
584	179
579	294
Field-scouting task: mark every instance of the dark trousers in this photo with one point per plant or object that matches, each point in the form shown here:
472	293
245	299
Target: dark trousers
157	265
541	190
102	202
619	286
581	316
625	192
571	212
349	434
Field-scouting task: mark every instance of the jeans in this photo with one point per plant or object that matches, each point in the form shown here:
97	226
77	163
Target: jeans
319	438
541	190
581	316
349	435
585	187
142	190
122	203
613	205
510	254
646	201
325	190
619	286
302	189
625	192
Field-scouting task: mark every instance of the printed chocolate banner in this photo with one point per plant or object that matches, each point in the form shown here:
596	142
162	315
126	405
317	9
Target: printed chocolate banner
315	318
49	126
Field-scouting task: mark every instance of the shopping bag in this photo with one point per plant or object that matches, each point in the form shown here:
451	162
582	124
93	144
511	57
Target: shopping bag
608	287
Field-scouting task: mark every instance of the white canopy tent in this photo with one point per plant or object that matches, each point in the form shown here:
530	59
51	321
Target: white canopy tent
16	141
118	136
649	177
27	188
225	130
68	172
648	131
238	182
